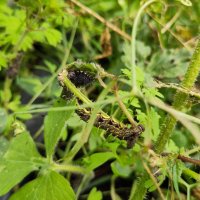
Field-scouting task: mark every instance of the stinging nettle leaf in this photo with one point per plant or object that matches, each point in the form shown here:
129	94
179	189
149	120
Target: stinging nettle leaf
154	116
18	161
176	176
52	36
50	185
53	125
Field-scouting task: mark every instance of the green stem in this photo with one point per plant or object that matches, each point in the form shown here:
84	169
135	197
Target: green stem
134	83
192	174
69	168
133	43
138	190
76	91
85	105
85	182
181	181
87	129
194	150
180	100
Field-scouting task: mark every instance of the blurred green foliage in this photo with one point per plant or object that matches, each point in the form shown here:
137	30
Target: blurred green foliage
35	40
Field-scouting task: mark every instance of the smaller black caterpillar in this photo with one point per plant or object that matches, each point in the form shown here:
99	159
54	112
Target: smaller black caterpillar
80	78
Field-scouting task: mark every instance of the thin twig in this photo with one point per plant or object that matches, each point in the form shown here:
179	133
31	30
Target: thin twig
171	22
190	160
154	180
160	84
102	20
124	109
184	158
171	32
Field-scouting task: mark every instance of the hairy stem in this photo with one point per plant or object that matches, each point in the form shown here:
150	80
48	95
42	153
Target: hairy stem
180	100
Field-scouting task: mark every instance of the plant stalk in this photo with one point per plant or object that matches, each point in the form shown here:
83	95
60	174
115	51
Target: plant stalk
180	100
133	43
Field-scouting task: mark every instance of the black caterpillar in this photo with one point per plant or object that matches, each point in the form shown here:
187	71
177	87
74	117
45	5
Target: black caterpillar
113	127
80	78
81	75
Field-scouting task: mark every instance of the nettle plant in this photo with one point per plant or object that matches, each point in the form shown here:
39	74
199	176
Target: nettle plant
94	119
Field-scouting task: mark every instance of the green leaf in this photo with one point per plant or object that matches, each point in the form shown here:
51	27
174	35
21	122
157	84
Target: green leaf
31	85
140	75
121	170
129	100
152	92
166	64
176	176
27	43
95	194
142	49
20	159
94	139
97	159
136	148
154	117
150	185
48	186
15	105
113	147
50	66
126	72
53	36
53	125
171	147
